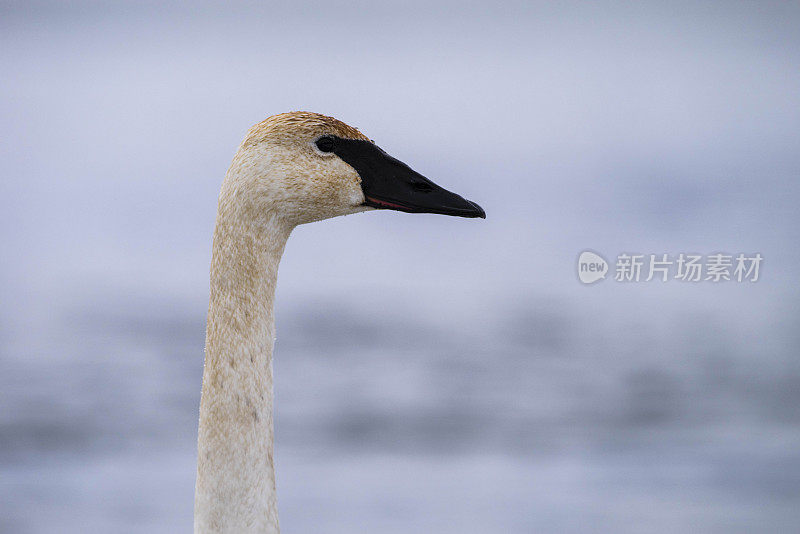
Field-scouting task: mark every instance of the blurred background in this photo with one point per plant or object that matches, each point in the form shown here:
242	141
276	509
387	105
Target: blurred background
433	374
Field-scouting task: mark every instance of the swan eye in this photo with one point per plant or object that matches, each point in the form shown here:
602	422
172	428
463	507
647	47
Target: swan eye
325	143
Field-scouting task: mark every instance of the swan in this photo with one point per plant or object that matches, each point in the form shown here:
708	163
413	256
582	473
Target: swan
290	169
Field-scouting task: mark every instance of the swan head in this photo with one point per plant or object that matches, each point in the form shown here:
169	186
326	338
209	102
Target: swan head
304	167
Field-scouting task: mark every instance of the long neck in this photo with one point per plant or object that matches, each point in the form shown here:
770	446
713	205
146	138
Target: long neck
235	489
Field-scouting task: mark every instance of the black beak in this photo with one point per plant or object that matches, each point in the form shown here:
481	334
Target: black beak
391	184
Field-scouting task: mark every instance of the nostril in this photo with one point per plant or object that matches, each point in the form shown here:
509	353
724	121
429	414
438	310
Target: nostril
422	187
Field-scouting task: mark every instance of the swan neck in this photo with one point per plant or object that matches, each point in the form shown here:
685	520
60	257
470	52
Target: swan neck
235	490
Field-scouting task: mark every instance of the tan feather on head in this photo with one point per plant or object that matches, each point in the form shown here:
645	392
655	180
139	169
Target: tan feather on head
296	124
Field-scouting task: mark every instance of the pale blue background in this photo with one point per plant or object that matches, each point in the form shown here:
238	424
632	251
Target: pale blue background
432	374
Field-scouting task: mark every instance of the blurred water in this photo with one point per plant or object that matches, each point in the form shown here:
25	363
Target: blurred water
447	431
432	374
